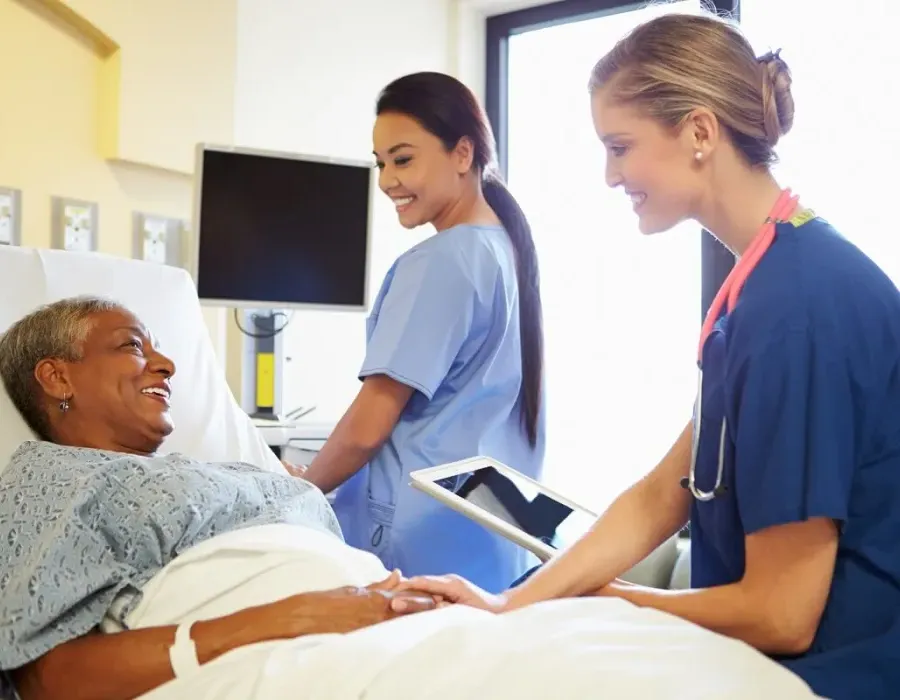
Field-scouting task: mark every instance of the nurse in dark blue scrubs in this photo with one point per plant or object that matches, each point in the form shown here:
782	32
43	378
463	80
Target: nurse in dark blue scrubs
789	471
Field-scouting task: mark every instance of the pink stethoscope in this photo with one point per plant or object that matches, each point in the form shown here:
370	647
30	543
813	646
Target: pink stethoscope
729	292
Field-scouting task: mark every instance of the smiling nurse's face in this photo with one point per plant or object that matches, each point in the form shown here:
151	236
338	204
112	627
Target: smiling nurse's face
416	171
653	164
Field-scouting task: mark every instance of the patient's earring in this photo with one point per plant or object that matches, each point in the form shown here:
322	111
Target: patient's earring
698	156
64	404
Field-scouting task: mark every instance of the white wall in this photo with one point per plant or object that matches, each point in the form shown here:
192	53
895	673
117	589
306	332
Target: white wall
308	73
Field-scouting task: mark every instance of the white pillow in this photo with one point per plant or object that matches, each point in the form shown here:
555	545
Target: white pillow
209	425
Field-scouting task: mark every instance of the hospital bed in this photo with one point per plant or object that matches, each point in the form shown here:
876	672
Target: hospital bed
599	648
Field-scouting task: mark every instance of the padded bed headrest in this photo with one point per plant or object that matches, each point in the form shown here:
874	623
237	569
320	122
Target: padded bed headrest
209	425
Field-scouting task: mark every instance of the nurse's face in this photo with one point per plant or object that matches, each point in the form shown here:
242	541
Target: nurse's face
652	163
422	178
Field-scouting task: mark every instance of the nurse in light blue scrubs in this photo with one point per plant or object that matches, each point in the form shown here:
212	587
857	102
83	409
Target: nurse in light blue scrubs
453	365
789	472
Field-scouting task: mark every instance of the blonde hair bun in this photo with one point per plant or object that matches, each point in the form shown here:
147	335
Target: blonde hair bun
778	102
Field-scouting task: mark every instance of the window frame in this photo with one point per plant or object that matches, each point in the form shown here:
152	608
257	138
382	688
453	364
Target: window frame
716	261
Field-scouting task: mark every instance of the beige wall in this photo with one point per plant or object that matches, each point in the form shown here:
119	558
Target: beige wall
95	108
308	74
174	84
104	101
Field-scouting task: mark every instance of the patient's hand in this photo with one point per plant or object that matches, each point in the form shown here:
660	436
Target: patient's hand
450	589
337	611
132	663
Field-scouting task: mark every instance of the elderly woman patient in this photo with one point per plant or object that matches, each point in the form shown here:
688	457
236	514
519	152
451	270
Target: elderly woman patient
91	513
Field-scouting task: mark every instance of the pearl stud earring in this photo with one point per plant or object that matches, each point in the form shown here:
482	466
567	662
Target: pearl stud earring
698	155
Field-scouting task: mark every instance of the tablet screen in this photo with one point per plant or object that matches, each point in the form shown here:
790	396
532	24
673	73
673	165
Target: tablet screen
521	504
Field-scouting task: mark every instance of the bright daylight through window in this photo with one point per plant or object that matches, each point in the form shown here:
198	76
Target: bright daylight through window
841	154
621	311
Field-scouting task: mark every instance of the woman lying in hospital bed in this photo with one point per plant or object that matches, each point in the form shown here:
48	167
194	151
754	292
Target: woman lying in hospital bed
102	534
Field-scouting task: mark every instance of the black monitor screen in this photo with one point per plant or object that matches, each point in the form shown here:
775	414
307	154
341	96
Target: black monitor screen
281	231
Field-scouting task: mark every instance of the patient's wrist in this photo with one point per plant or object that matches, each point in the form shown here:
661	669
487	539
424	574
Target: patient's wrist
218	636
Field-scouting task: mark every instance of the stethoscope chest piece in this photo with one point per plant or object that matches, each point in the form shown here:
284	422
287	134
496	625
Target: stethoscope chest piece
690	482
702	496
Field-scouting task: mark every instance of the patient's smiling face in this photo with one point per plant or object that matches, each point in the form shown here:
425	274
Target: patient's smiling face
118	391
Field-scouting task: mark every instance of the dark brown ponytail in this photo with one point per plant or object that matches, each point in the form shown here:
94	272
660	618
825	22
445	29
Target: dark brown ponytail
531	326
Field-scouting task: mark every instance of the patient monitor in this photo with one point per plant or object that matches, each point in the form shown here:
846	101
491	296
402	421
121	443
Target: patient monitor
275	232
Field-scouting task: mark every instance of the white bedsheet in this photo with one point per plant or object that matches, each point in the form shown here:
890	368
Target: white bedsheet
584	648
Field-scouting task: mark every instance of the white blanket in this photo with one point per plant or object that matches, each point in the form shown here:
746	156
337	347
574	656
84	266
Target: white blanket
583	648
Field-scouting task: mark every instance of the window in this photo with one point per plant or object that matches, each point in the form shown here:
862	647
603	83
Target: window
840	155
622	312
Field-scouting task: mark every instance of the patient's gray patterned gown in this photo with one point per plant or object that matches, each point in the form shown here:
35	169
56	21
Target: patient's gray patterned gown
78	526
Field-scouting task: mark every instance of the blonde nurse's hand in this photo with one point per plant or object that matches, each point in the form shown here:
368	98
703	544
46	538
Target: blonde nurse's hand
298	470
451	590
391	583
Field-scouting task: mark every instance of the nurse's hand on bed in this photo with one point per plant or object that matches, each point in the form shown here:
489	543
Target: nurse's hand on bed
450	590
294	469
394	579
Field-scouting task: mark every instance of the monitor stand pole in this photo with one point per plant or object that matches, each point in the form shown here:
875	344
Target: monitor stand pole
267	359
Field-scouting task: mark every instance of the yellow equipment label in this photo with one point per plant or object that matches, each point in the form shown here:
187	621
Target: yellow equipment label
265	380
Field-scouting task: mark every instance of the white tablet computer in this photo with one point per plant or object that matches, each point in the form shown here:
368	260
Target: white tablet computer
508	502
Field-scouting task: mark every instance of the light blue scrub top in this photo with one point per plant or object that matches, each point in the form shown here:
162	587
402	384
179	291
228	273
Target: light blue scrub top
807	370
446	323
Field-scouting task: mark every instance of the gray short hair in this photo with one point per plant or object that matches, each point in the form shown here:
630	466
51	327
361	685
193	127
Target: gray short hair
55	330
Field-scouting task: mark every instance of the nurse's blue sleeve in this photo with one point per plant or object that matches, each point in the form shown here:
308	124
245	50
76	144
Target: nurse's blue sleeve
794	432
424	320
